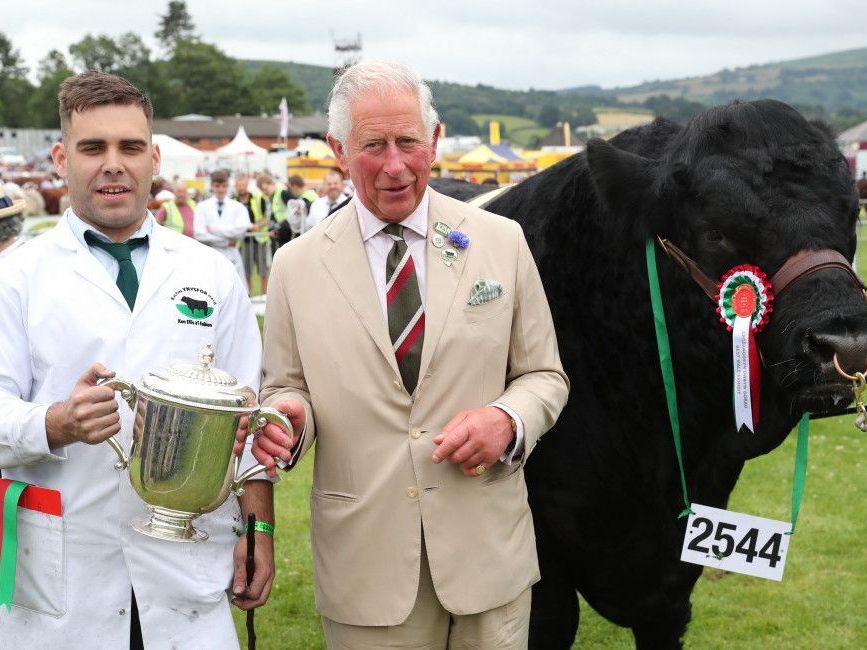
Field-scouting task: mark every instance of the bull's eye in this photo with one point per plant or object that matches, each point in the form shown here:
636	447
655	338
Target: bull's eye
713	236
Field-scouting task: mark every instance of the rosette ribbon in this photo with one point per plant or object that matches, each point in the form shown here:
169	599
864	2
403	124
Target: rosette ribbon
744	304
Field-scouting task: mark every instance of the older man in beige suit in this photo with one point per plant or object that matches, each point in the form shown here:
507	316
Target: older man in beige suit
409	336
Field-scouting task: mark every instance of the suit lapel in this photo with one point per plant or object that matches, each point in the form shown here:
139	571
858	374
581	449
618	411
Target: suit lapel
346	261
442	281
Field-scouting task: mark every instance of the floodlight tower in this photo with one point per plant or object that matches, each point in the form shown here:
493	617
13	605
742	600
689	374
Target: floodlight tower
347	52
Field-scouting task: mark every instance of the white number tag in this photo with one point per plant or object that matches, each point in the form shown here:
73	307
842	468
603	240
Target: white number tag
736	542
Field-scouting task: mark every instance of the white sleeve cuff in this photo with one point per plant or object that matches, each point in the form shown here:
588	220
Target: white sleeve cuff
282	464
516	450
28	442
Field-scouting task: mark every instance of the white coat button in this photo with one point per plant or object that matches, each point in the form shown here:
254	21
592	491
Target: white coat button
121	612
414	433
412	492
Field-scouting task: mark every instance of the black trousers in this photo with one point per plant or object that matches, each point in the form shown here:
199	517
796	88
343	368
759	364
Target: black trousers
135	640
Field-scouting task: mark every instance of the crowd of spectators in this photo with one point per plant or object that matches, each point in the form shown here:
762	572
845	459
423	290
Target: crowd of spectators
249	215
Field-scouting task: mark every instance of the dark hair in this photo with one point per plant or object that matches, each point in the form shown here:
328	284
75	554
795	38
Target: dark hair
91	89
297	180
11	227
220	176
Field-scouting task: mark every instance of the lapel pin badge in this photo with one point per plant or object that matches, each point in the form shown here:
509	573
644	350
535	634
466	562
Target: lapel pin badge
438	241
449	255
442	228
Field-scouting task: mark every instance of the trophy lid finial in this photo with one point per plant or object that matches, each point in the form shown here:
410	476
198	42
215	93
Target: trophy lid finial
206	357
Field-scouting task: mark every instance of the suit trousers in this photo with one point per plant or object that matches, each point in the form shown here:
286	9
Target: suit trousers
430	627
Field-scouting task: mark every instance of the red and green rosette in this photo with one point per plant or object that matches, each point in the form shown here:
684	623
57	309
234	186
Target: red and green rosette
744	303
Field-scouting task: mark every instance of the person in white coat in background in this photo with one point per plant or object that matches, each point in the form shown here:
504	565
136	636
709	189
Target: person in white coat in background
68	318
221	222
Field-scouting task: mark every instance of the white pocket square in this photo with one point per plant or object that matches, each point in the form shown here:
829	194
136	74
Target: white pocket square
484	291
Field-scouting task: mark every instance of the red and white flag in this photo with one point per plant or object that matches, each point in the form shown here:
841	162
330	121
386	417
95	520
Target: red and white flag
284	118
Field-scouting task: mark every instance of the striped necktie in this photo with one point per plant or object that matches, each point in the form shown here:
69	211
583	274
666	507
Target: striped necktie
127	278
405	311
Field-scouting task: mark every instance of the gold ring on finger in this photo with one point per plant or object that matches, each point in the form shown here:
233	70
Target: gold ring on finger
480	469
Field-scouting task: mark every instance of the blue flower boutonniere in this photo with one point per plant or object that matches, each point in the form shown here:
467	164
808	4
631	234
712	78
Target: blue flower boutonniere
458	239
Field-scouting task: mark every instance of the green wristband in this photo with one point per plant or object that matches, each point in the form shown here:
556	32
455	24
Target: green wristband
263	527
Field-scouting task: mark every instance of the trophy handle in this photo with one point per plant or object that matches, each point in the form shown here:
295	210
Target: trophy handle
128	394
258	419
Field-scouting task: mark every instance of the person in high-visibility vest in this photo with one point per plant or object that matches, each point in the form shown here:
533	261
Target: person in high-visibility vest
178	213
277	197
256	251
297	185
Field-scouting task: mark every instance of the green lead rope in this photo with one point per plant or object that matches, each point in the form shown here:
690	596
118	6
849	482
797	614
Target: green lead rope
800	468
665	364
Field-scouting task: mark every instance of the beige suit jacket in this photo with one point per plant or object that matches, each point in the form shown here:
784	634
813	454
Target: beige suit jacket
375	487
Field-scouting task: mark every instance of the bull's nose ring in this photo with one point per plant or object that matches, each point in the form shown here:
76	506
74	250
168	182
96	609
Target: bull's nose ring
843	373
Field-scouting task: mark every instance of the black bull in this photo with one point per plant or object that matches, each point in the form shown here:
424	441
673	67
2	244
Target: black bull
745	183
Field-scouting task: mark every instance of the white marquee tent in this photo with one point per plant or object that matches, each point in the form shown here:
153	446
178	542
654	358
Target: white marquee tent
242	154
177	158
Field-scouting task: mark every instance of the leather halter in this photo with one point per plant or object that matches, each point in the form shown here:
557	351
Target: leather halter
798	266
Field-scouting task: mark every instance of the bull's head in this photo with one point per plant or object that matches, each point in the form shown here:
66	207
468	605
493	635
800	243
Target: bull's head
756	183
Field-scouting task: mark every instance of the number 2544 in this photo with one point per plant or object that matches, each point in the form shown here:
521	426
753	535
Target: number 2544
725	541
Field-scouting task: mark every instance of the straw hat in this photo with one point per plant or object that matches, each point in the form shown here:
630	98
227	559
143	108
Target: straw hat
8	207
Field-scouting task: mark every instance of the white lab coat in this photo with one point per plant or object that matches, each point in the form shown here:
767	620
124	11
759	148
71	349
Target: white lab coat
59	312
320	209
18	242
219	231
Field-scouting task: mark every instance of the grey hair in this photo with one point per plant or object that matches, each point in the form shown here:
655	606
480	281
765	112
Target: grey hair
10	227
383	77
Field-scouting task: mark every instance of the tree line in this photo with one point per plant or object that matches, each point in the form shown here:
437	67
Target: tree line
188	75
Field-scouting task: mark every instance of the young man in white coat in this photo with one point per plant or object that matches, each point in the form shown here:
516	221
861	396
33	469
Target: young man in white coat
65	323
221	222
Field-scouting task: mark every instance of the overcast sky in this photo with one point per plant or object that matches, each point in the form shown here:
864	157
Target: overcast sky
544	44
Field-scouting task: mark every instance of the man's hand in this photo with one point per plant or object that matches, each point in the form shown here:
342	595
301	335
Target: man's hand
473	438
256	593
89	415
272	441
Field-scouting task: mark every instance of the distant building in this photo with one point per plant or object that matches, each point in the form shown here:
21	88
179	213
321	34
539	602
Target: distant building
457	144
209	133
30	143
562	137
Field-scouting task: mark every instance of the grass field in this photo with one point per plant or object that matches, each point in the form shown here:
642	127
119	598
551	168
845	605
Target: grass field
820	604
517	130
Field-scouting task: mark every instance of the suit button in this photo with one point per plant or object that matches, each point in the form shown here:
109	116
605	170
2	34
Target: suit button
415	434
412	492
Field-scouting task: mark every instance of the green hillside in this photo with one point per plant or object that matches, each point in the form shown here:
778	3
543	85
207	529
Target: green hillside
316	79
833	82
463	108
831	86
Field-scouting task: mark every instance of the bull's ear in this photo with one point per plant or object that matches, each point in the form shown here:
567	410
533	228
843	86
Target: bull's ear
622	179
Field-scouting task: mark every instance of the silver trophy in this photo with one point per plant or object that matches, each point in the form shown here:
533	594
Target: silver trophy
181	462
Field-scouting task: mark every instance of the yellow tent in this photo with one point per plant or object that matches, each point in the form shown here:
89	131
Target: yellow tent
318	149
491	153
